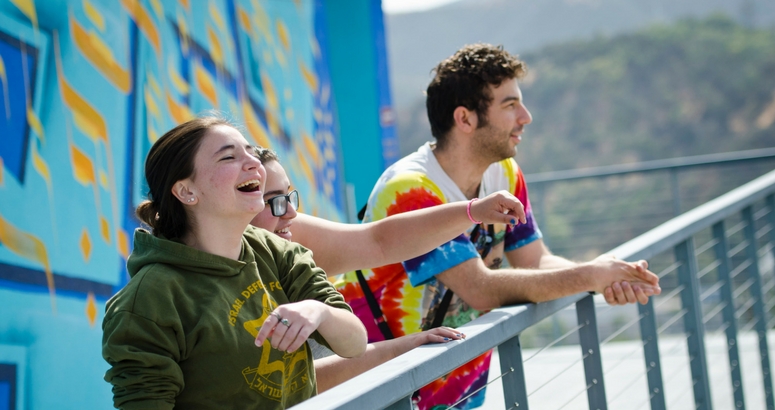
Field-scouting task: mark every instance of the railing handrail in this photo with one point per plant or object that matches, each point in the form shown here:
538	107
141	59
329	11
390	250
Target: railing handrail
651	166
398	378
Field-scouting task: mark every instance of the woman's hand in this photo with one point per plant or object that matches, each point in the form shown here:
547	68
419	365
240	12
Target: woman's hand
289	325
441	334
499	207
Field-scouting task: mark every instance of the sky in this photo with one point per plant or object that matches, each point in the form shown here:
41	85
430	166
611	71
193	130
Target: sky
408	6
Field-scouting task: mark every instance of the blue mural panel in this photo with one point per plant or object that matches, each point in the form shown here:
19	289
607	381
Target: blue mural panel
88	86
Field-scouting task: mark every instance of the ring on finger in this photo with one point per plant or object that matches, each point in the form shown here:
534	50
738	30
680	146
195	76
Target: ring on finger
277	315
286	322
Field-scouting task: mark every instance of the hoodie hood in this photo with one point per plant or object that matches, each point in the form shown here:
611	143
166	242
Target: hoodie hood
149	249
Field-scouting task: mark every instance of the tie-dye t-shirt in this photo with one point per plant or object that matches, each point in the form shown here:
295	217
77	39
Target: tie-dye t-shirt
408	292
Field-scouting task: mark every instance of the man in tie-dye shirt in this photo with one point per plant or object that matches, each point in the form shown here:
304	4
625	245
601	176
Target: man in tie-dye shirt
477	117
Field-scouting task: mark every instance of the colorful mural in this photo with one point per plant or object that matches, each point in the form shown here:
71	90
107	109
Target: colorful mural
87	86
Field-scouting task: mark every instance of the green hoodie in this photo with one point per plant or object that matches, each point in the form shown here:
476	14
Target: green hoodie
181	332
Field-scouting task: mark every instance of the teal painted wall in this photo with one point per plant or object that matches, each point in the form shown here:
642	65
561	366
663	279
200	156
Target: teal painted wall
358	60
87	86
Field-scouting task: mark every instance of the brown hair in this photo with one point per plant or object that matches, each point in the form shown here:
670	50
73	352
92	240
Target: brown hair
171	159
266	154
463	80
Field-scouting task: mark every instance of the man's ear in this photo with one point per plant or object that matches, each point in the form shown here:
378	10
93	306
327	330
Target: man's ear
183	191
465	119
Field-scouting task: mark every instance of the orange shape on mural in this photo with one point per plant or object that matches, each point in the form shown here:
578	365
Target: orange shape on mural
105	229
144	21
101	56
83	167
206	84
123	243
91	309
85	243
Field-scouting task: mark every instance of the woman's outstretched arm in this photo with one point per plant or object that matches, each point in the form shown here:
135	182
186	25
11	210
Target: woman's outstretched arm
333	370
340	247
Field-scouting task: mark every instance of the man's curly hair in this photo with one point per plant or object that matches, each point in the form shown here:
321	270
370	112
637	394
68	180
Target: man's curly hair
463	80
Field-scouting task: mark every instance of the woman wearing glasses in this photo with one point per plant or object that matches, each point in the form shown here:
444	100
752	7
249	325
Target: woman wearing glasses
340	248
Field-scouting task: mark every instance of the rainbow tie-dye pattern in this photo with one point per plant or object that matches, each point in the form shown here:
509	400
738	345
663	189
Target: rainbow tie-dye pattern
408	292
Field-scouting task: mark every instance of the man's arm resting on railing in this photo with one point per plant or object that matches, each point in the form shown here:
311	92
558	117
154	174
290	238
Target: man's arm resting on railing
483	288
537	255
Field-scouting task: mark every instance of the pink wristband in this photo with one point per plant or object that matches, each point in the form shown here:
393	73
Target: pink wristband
468	211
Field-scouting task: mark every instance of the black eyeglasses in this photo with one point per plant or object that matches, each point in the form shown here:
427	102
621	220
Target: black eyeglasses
279	204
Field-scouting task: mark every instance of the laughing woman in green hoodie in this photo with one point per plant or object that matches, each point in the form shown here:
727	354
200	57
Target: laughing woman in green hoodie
217	313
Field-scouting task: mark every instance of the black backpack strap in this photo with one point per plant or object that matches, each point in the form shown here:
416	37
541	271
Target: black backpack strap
376	311
441	311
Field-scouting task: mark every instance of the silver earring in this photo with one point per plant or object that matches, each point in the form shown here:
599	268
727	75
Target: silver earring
190	199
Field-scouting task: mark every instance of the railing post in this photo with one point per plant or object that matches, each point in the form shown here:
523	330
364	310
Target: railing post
728	312
590	349
514	388
676	189
690	300
648	334
758	306
403	404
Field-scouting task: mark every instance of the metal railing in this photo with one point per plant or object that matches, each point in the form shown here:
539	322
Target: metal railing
721	289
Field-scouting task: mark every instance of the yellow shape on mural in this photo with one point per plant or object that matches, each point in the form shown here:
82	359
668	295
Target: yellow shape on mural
34	122
27	8
104	229
305	168
244	20
215	47
6	91
255	128
278	54
83	167
154	83
150	103
143	20
123	243
85	244
282	33
269	91
100	55
217	17
185	4
179	112
177	81
103	178
158	9
93	15
29	247
40	165
184	36
91	309
315	46
312	149
262	23
153	135
86	117
309	77
204	81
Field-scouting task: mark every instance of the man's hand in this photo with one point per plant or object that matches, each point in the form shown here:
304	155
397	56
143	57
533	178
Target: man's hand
623	282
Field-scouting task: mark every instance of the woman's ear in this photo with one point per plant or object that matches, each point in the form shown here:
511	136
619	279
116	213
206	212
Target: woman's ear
465	119
184	193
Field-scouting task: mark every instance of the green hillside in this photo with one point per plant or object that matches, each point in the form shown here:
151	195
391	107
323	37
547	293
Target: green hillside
695	87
